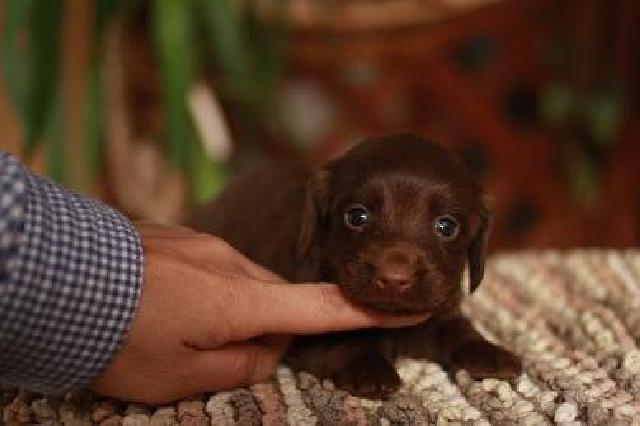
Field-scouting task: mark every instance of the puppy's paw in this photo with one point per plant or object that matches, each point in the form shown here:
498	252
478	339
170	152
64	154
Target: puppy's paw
369	375
486	360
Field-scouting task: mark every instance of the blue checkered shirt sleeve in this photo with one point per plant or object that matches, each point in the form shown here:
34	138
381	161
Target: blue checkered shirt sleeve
70	280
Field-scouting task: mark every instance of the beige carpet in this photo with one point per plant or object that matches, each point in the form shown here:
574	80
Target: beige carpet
574	317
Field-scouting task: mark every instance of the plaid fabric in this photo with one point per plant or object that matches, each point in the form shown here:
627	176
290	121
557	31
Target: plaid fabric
70	278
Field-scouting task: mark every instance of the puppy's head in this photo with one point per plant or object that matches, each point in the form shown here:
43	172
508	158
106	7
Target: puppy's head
393	222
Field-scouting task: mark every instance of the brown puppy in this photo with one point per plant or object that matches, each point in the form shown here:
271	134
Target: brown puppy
393	222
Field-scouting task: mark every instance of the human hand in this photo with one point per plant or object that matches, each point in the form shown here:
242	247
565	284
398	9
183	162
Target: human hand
210	319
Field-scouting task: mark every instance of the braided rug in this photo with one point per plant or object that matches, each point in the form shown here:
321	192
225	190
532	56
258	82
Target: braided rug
574	318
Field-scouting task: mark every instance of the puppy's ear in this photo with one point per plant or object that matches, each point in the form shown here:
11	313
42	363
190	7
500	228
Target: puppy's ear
477	251
316	207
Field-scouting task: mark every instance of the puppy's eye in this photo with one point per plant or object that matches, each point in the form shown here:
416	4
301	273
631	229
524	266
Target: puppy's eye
446	227
356	216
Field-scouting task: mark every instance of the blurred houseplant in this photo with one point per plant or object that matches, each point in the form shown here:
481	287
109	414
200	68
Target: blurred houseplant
587	124
190	41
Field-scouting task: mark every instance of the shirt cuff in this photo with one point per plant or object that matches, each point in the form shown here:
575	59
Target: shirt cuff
70	292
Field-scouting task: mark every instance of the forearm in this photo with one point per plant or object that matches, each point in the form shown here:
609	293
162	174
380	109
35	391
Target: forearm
70	277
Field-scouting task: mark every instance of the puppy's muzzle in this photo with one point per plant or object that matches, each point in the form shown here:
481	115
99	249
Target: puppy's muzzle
395	268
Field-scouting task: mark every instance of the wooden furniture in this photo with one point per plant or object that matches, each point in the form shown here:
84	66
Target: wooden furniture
474	80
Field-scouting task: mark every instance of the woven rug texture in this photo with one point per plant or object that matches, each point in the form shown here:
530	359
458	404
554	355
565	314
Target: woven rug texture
573	317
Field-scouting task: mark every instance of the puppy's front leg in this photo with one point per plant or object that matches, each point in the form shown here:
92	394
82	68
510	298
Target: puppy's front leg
357	362
455	343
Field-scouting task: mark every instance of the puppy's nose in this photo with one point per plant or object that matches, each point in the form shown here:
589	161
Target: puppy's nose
395	276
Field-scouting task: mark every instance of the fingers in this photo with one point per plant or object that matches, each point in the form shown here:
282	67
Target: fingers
215	252
198	247
194	371
258	272
236	364
260	303
311	309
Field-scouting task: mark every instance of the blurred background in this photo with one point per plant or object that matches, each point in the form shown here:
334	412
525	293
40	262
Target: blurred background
153	105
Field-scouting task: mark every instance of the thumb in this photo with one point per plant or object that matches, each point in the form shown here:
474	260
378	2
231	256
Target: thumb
245	363
311	309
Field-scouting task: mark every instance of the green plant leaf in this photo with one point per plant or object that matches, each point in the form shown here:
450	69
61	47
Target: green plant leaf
16	14
557	104
583	178
173	43
227	39
104	12
603	116
44	43
269	41
94	130
205	175
229	47
55	136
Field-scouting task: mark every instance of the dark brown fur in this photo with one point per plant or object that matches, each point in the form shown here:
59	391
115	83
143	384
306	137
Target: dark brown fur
294	224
